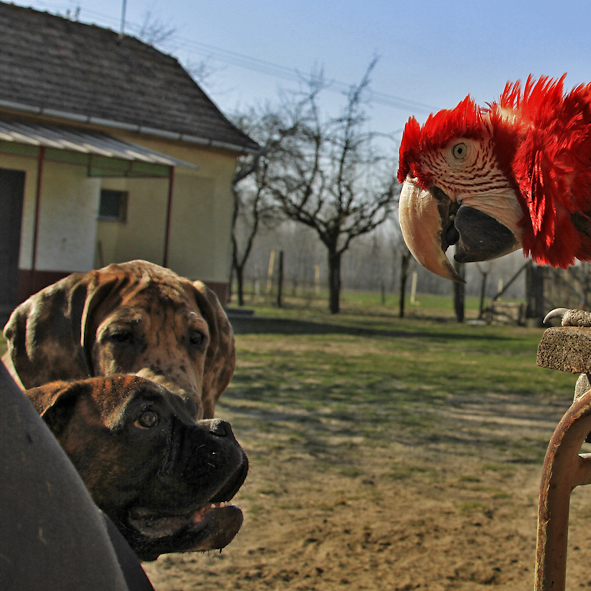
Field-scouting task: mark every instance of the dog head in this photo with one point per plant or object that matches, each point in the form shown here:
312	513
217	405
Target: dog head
163	478
130	318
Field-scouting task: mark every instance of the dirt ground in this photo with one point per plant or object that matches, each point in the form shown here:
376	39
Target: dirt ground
378	478
397	518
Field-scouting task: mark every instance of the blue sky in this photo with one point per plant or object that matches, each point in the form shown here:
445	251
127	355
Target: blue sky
432	53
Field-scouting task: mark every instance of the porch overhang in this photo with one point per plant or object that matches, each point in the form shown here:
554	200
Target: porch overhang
101	154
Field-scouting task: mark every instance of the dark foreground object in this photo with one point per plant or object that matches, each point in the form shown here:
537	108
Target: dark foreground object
52	536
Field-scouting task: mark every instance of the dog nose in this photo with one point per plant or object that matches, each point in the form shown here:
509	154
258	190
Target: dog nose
220	428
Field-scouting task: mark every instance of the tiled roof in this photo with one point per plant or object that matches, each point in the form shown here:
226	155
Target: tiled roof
56	66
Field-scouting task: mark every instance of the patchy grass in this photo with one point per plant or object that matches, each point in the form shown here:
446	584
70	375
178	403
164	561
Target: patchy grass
385	453
325	383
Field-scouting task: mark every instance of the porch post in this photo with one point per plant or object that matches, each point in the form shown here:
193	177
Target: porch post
40	162
168	216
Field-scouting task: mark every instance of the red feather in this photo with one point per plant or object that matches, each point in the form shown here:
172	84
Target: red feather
542	143
463	121
552	166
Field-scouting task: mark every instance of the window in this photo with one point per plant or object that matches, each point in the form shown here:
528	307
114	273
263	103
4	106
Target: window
113	205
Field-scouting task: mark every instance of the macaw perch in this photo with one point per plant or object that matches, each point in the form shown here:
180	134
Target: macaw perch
568	347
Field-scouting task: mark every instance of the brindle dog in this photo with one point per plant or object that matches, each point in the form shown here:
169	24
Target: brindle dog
163	478
131	318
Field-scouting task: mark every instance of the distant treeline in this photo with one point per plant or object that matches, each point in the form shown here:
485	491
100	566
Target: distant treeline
372	263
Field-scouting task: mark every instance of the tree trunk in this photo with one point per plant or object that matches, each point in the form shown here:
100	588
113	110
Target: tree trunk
239	269
534	294
482	294
404	266
460	293
334	282
230	282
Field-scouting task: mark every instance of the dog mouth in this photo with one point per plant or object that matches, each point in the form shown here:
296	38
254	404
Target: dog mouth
210	526
154	526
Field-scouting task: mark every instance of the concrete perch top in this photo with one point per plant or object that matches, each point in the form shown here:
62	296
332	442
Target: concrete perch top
566	348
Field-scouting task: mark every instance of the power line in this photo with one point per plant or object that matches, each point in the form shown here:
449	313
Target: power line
292	74
242	60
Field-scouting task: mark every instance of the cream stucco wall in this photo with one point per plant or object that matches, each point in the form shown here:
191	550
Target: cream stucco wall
67	216
71	238
202	203
142	235
67	221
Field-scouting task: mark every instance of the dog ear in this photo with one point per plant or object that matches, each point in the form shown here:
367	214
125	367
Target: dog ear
220	360
55	402
47	334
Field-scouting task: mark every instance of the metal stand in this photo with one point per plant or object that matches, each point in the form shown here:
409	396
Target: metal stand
566	348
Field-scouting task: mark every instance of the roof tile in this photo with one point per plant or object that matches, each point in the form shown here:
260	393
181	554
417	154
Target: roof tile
50	62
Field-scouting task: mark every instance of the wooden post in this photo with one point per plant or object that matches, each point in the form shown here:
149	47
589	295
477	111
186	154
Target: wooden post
317	279
534	294
413	288
280	281
482	294
40	163
404	264
459	290
168	217
270	272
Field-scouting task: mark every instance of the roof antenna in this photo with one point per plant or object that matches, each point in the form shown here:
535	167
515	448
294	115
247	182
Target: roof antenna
123	9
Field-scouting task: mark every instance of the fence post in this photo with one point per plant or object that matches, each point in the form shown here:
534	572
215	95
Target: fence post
459	292
270	272
534	294
280	281
413	289
317	279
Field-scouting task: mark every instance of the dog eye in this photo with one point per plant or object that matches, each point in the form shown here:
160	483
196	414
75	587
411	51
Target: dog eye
122	336
147	420
196	338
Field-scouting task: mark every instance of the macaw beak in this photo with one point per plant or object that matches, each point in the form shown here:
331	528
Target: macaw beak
431	222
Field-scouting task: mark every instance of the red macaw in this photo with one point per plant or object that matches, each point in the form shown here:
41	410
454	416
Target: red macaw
516	174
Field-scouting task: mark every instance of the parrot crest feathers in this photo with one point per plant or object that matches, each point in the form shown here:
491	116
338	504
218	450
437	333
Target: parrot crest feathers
464	121
536	100
551	166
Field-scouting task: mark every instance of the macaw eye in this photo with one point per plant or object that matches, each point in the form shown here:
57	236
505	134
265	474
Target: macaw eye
460	151
147	420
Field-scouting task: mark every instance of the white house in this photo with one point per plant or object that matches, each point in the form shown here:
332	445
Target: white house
109	151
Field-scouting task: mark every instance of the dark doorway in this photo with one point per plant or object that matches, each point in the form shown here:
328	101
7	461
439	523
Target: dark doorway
12	188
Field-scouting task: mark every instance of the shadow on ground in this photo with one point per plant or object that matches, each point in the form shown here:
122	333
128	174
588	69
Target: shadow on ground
263	325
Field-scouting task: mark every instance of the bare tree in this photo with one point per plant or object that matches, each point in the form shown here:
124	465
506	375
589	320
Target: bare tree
157	33
245	168
330	177
201	70
153	31
253	203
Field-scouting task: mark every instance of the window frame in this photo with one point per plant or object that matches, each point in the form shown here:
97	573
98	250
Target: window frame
123	203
